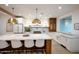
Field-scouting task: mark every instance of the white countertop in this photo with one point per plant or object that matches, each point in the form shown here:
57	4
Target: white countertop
20	37
68	35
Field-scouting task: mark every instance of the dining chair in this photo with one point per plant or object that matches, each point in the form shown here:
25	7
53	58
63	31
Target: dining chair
17	46
29	46
40	45
4	46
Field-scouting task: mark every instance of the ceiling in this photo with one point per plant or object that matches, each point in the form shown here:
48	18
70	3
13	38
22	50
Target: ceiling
44	10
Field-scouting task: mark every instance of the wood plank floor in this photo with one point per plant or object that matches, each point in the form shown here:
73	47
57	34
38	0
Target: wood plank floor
58	49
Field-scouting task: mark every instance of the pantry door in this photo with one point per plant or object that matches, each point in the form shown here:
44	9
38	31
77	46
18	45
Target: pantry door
52	24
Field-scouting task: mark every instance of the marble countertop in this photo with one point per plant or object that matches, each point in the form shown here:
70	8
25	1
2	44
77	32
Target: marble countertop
68	35
11	36
38	26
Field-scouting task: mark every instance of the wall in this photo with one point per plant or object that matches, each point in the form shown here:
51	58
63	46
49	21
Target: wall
75	19
3	21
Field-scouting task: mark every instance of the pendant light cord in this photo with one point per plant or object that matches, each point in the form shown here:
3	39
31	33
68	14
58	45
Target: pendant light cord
36	12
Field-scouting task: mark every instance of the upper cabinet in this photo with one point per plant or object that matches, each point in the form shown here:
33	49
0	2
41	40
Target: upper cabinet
52	24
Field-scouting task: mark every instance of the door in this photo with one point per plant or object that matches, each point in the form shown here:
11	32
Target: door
52	24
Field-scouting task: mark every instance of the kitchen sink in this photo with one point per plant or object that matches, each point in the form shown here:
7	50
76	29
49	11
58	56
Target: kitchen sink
25	35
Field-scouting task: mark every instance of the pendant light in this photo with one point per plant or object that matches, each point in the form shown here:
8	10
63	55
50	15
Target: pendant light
36	20
12	20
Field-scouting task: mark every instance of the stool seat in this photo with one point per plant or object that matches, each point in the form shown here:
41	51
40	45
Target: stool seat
16	43
3	44
39	43
29	43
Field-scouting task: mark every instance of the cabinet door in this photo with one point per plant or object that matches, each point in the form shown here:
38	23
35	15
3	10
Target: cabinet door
15	28
52	24
48	46
20	28
9	27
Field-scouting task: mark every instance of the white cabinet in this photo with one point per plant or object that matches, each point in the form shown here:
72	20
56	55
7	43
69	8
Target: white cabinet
63	40
15	28
9	27
69	41
18	28
72	44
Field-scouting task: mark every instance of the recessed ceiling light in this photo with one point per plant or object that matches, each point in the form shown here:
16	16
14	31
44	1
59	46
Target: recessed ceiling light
40	15
59	7
6	4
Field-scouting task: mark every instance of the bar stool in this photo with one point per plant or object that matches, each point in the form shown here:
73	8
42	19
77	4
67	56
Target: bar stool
17	46
40	45
29	46
4	47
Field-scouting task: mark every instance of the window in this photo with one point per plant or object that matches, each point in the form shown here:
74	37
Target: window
66	24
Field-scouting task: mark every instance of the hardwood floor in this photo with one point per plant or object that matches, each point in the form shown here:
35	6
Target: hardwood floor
58	49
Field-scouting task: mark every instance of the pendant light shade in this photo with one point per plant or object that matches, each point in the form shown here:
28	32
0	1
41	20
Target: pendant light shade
36	20
9	20
12	21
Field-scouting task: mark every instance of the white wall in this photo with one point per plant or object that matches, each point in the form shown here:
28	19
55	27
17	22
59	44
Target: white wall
3	21
75	19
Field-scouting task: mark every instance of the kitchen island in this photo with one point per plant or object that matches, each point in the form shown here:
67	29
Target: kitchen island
46	37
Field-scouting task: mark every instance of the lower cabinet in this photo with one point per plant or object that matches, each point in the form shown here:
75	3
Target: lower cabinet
48	46
70	42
